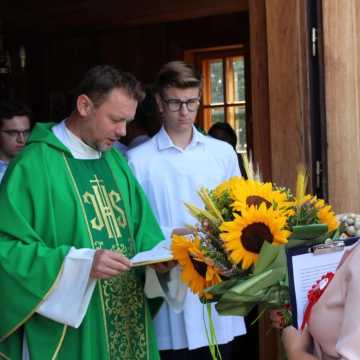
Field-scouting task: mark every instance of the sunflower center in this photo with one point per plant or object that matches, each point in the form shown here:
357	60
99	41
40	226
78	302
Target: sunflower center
254	235
199	266
257	201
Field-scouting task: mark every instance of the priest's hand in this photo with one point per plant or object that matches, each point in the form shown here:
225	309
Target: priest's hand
108	264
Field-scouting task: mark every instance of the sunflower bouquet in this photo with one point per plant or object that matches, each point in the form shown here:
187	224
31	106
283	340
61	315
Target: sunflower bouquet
236	256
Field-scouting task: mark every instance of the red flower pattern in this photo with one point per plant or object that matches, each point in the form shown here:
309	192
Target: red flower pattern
314	295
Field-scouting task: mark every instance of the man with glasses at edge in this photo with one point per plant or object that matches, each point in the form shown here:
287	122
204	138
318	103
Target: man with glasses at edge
14	130
171	167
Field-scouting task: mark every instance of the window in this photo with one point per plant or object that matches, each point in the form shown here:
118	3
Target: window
224	90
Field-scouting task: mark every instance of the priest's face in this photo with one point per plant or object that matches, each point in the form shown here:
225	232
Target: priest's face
13	135
106	123
178	108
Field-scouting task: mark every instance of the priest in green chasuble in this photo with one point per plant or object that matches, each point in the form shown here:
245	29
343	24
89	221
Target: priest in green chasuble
72	215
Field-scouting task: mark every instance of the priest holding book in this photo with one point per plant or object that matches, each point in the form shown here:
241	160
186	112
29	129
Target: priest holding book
72	215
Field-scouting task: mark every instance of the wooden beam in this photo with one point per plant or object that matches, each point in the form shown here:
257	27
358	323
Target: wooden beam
288	68
259	116
341	24
70	15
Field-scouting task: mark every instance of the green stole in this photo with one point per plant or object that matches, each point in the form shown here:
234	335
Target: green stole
123	303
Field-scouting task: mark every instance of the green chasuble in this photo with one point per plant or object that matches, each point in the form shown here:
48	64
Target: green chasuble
49	203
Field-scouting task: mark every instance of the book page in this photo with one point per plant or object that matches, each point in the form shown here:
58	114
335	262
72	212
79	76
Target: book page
160	253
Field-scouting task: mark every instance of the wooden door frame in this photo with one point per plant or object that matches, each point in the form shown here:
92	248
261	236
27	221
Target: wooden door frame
341	46
280	98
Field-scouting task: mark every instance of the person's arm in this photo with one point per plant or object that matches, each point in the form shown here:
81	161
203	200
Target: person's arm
347	345
297	344
166	285
29	267
68	302
163	280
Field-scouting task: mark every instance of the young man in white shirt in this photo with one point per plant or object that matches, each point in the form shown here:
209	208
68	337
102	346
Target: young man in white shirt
171	167
14	131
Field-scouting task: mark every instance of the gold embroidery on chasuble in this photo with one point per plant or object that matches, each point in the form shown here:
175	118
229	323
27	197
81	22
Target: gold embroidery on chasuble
127	326
122	296
105	205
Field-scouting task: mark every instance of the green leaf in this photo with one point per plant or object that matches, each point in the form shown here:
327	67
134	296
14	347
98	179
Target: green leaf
224	286
270	297
233	308
297	242
245	289
308	232
293	242
267	256
256	283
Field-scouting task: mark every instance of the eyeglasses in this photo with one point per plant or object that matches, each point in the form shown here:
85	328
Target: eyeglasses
16	133
176	104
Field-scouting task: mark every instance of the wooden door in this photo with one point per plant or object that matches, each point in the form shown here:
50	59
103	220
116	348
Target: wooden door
341	43
280	98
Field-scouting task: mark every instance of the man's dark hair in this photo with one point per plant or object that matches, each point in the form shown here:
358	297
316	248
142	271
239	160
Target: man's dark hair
179	75
9	109
102	79
225	132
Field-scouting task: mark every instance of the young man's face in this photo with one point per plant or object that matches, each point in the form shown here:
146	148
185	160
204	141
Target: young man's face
107	123
179	116
13	135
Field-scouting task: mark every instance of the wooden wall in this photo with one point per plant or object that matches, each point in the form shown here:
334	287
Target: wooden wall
259	112
56	62
341	29
20	16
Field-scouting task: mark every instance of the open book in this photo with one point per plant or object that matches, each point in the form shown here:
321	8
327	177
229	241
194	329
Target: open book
160	253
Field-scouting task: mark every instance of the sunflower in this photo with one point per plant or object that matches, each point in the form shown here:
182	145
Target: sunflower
198	273
248	193
326	215
226	187
244	236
